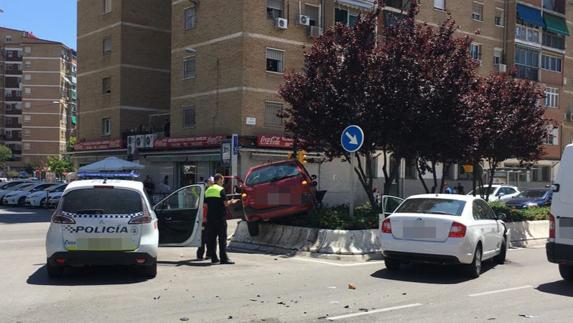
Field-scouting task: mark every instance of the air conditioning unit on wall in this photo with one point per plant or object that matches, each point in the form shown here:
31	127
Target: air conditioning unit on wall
282	23
304	20
140	141
150	140
131	145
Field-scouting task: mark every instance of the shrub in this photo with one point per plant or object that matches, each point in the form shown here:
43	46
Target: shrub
335	218
513	215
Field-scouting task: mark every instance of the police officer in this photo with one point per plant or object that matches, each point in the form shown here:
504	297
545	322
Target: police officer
216	222
201	250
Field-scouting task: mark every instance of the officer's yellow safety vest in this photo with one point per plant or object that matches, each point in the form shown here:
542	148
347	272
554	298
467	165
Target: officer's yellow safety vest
214	191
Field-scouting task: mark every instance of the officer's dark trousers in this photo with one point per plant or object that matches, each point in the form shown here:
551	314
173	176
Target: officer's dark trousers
201	250
217	230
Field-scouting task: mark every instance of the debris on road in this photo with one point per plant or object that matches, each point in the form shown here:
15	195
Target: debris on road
527	316
230	317
363	309
351	286
347	306
184	319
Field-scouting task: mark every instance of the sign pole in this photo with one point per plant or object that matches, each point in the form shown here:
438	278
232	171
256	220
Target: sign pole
234	160
351	183
351	140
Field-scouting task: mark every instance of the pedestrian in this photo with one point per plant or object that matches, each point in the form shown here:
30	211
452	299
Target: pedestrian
148	185
460	189
204	239
216	221
165	188
448	189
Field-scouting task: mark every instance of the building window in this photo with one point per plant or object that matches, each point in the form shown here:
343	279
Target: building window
106	126
554	5
475	51
28	50
28	90
107	46
27	77
189	68
499	17
527	34
553	40
275	9
27	118
190	17
497	56
553	136
272	110
527	63
551	97
275	60
188	117
106	85
345	17
551	63
27	146
8	38
477	11
27	132
27	105
106	6
28	64
440	4
313	13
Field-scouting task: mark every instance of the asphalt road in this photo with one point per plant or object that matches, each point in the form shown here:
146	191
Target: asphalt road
269	288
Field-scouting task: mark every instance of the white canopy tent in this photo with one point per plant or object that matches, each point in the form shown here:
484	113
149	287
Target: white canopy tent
111	164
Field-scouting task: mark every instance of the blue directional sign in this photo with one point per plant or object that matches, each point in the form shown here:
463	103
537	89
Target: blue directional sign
352	138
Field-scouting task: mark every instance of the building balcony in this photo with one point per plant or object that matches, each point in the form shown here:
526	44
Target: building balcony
526	72
13	71
13	138
13	125
13	111
12	98
13	58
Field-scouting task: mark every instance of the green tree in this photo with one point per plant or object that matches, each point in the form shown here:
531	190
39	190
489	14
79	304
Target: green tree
59	166
5	154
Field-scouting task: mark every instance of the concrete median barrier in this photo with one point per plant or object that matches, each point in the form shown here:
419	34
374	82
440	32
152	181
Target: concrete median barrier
290	239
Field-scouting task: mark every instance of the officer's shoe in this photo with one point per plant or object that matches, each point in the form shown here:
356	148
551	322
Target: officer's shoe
227	262
214	261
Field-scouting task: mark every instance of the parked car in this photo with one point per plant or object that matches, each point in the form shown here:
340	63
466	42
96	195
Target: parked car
277	190
559	248
111	222
10	188
54	199
444	229
531	198
497	192
18	197
40	198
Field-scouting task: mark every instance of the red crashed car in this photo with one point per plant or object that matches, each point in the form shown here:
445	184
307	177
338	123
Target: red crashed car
277	190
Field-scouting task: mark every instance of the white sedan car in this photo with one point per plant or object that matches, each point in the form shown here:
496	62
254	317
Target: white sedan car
497	192
18	196
40	198
444	229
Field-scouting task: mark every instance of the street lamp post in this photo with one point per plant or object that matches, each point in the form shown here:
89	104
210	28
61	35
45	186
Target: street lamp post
217	60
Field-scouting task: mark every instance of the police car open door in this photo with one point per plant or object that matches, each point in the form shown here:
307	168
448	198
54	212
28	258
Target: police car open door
179	217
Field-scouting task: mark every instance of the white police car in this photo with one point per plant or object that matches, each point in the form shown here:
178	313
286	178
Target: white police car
110	222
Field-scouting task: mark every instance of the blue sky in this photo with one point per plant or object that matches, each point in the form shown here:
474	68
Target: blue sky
48	19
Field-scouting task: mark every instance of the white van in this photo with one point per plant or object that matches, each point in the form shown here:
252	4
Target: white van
560	245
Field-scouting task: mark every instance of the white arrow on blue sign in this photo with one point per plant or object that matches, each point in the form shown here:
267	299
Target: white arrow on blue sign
352	138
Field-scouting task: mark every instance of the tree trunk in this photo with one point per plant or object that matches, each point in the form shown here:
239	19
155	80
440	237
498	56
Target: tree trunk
394	175
421	173
492	168
474	178
366	178
434	176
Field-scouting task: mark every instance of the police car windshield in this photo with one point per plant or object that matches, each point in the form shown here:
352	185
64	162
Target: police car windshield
102	201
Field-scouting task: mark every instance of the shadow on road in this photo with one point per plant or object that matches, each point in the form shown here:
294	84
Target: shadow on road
88	276
560	287
429	274
24	215
191	263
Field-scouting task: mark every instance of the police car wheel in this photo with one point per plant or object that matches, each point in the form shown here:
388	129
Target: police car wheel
253	228
149	271
54	271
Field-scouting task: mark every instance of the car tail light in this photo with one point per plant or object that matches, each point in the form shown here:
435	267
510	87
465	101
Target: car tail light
386	226
142	219
60	218
305	182
140	260
551	226
60	261
457	230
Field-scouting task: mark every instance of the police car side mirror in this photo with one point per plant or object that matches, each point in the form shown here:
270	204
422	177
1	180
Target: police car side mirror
313	177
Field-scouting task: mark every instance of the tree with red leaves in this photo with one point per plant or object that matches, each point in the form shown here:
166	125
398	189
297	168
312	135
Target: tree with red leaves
508	122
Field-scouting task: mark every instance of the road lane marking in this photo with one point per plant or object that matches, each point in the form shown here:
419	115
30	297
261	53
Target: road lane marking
388	309
339	265
500	291
21	240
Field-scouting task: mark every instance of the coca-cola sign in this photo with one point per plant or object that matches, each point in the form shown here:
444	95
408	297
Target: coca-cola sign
274	142
190	142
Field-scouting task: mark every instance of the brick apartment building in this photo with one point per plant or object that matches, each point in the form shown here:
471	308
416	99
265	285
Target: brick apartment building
226	60
38	101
